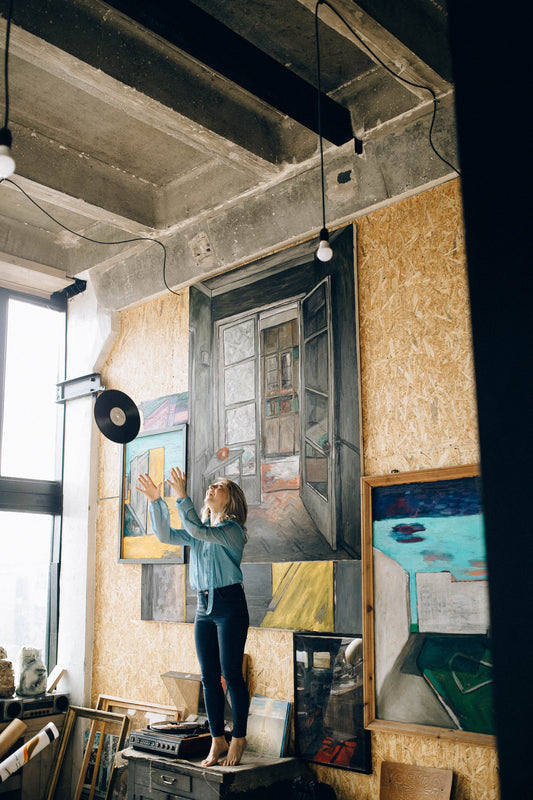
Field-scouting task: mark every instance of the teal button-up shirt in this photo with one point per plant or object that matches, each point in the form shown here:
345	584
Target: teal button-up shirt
215	551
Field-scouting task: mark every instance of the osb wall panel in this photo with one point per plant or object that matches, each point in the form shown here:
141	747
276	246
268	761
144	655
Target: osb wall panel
418	407
149	359
475	775
418	391
418	411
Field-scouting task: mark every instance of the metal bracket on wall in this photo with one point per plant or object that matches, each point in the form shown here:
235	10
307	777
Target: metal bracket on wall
78	387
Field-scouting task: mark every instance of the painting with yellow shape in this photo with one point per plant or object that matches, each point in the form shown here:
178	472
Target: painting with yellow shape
155	454
302	596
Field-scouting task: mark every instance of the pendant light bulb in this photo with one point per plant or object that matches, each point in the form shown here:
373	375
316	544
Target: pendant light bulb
7	162
324	252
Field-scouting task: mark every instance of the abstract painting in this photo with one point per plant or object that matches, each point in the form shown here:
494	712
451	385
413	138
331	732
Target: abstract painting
428	663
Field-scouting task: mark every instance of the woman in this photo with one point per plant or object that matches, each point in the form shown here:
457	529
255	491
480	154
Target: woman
216	544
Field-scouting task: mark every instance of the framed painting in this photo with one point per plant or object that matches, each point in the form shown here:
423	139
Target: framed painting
328	701
154	452
426	627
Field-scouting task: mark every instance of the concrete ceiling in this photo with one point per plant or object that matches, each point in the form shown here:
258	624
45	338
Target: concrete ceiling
138	119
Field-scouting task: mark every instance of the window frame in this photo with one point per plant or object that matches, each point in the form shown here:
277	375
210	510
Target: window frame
28	495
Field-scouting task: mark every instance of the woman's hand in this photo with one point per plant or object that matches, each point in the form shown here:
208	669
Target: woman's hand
148	487
177	481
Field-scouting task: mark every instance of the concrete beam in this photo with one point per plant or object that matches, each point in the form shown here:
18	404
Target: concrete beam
140	59
392	50
394	166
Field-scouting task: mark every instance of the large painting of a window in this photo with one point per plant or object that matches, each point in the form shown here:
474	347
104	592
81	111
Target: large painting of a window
274	406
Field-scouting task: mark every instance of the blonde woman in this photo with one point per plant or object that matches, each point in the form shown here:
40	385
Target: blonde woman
216	540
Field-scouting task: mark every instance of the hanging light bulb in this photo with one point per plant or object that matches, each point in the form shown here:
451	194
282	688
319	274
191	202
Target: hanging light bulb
324	252
7	162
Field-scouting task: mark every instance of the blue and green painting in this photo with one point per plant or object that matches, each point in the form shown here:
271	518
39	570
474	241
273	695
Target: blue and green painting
435	531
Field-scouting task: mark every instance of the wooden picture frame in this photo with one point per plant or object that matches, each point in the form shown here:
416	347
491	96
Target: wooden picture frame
85	762
154	452
139	715
328	701
426	626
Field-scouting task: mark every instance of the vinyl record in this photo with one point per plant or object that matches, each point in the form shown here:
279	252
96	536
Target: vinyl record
117	416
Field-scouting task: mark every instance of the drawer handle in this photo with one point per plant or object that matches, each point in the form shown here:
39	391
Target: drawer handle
167	781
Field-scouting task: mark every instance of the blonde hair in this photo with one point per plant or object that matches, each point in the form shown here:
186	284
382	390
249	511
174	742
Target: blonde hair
236	507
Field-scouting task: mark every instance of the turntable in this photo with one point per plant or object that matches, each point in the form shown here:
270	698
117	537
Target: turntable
189	735
173	739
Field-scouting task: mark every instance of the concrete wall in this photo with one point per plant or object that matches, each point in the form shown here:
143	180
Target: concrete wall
418	411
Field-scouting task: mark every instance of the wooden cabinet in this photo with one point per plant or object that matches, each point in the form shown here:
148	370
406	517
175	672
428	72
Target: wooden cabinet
151	777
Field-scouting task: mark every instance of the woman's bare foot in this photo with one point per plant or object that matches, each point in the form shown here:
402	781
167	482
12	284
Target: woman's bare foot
236	749
219	746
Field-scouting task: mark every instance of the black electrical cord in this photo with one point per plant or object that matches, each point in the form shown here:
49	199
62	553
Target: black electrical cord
6	63
89	238
391	72
35	203
319	114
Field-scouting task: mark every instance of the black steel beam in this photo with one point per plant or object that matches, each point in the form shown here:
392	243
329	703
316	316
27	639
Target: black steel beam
212	43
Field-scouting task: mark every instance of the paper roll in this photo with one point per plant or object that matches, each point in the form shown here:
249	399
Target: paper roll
9	735
33	746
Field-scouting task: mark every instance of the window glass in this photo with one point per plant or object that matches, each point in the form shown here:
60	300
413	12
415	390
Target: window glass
35	337
25	545
239	342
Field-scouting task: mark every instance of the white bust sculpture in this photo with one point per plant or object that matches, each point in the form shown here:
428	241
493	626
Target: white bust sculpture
32	673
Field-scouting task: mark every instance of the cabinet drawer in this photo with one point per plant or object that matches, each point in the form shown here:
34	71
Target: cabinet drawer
171	782
157	777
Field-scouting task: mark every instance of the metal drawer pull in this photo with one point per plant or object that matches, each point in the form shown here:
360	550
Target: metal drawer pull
167	781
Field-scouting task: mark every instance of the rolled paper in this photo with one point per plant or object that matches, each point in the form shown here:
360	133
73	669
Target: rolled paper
33	746
9	735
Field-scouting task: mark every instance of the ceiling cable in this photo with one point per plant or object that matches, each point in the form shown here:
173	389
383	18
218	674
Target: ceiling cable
90	238
7	162
324	251
395	75
6	64
7	168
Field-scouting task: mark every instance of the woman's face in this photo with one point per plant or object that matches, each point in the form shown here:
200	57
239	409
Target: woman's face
217	497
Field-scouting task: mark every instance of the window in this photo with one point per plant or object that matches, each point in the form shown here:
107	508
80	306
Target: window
32	346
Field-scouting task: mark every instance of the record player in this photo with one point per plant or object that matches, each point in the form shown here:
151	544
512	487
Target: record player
189	735
173	739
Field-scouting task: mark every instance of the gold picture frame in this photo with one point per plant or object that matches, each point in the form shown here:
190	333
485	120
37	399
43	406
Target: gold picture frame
139	714
85	761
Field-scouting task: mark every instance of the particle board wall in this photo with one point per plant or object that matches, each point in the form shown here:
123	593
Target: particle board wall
418	410
418	390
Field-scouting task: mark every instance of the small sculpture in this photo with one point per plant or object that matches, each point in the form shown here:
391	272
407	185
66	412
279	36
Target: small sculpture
32	673
7	675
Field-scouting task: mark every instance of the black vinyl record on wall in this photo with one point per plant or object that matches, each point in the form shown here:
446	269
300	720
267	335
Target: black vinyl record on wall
117	416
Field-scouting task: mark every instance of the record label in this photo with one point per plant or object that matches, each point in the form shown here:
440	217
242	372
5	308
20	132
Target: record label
117	416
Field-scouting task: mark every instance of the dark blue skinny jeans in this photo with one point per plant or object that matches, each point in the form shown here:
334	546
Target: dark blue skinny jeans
220	638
